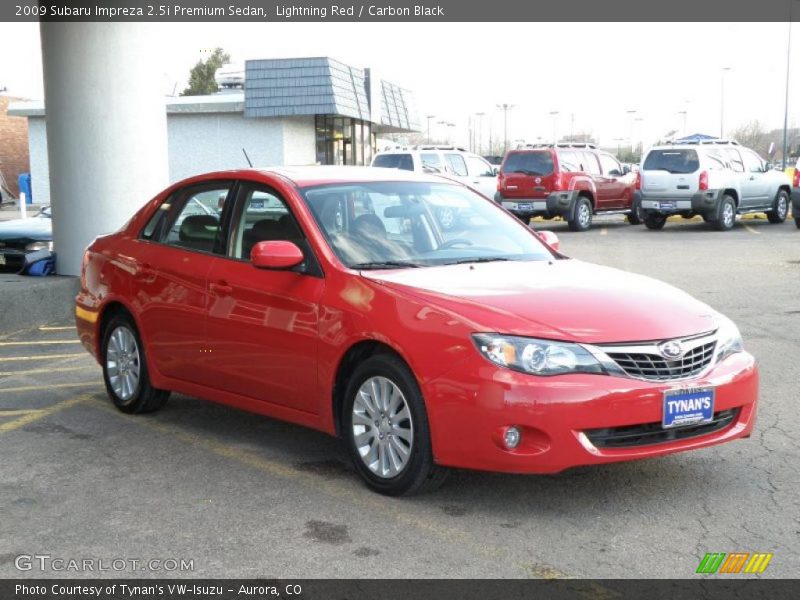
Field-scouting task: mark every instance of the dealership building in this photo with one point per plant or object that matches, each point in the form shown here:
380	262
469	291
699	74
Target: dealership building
287	112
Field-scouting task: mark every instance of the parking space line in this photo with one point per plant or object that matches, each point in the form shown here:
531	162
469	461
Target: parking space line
45	412
345	492
40	342
47	370
751	229
56	327
16	413
41	388
41	357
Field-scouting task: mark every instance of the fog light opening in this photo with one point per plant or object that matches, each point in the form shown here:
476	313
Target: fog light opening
512	437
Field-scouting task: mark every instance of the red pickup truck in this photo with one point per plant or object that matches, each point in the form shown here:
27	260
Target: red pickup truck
574	181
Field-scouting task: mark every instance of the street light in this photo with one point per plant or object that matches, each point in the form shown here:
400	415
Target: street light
505	108
786	108
631	114
480	130
722	101
429	117
554	114
684	113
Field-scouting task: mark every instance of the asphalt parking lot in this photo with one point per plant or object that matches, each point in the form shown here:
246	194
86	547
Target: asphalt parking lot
246	496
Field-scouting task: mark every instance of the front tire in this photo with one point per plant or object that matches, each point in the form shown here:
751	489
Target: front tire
125	369
780	208
386	429
726	217
655	221
582	215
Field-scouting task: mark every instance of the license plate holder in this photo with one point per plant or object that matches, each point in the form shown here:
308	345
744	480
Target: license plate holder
667	206
524	206
688	406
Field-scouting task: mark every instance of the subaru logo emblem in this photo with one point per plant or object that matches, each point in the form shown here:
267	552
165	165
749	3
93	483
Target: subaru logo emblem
671	350
538	180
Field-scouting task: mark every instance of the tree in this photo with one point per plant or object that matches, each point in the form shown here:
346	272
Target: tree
201	77
753	136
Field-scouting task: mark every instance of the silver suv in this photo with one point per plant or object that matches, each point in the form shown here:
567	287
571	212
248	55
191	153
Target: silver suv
715	179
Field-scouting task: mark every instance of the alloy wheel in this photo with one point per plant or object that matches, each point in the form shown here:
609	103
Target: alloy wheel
383	431
123	363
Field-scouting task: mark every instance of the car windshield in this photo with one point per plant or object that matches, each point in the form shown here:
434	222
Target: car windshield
413	224
672	161
529	163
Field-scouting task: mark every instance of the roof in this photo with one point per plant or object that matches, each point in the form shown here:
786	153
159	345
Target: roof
316	175
231	102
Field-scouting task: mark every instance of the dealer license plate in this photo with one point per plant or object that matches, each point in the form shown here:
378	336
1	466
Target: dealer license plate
688	406
667	206
524	206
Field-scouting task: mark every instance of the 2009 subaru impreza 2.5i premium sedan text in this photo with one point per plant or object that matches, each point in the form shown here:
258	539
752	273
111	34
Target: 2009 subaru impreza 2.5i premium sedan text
333	298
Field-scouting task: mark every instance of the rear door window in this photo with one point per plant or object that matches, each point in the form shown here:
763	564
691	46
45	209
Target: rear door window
676	161
590	163
394	161
457	164
610	165
529	163
431	162
568	161
479	167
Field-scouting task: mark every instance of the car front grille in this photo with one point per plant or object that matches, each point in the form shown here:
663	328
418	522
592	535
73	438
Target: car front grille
654	433
656	367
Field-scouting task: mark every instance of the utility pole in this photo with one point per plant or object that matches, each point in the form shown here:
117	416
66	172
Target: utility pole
429	117
722	101
786	109
505	108
480	131
554	114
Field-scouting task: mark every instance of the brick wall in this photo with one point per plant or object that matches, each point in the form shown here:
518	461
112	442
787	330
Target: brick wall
14	157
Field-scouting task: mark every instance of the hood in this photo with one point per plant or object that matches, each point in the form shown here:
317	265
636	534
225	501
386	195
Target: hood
35	229
561	300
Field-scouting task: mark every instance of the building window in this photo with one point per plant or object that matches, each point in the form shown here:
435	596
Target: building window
343	141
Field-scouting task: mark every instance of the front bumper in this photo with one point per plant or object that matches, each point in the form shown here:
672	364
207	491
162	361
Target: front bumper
555	204
468	414
706	202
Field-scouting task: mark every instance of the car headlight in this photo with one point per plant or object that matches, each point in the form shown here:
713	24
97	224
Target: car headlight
32	247
538	357
729	340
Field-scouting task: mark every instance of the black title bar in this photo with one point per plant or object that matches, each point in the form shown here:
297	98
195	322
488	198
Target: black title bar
401	10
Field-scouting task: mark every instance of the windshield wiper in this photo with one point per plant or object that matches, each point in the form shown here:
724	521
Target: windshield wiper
527	172
478	259
386	264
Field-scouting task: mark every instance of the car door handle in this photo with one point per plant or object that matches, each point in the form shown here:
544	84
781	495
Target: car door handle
752	177
144	272
221	288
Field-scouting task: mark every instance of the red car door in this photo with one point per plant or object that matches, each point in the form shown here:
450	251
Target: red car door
611	189
262	325
174	254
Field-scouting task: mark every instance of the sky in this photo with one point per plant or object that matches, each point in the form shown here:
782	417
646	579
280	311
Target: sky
591	74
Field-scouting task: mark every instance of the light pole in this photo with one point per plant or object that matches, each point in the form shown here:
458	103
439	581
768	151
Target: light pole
480	130
684	113
554	114
786	108
722	101
505	108
631	114
429	117
641	137
619	147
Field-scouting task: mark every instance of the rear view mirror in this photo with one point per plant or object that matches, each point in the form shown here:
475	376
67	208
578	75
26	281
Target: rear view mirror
276	254
549	238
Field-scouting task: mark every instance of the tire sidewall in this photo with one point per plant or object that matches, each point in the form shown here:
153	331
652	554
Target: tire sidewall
421	454
778	217
131	404
581	201
721	224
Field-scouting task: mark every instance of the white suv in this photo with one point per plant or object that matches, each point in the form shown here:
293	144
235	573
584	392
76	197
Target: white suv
466	167
715	179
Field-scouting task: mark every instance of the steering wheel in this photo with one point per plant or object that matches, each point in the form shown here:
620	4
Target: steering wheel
454	242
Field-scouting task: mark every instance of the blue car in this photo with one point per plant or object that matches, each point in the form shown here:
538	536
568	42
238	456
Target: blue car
25	240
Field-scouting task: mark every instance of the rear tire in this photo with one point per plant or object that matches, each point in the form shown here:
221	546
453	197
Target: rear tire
125	369
386	429
636	217
780	208
655	221
726	217
581	215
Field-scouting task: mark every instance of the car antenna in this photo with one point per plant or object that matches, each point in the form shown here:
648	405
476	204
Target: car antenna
249	162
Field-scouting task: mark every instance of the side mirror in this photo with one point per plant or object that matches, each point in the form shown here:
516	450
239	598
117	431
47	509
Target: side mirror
496	171
549	238
276	254
626	169
768	167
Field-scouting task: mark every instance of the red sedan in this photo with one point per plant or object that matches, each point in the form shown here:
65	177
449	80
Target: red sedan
333	298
